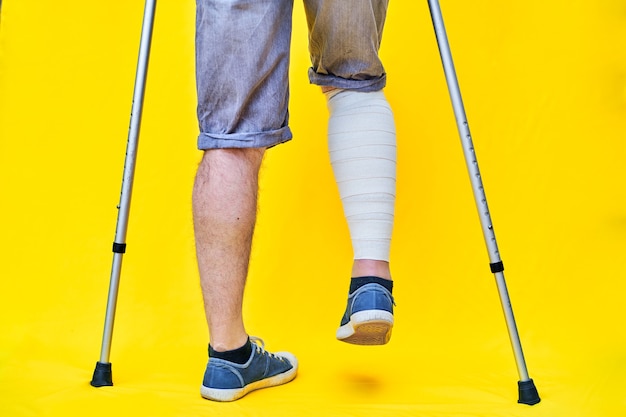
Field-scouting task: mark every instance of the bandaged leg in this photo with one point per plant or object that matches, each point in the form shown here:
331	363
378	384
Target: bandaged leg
362	147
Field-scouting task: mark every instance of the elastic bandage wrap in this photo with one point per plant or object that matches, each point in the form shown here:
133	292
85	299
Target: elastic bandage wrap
362	148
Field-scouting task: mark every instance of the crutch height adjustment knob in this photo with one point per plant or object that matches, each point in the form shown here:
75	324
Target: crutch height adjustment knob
119	247
496	267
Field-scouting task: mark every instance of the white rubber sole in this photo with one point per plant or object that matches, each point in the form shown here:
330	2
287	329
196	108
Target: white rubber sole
236	393
369	327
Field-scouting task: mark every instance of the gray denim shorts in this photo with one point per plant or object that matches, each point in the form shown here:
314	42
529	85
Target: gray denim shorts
242	63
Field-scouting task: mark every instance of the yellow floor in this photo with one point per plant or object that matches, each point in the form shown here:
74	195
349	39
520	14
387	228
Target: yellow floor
544	85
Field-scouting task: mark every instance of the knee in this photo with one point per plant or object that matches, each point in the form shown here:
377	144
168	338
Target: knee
233	159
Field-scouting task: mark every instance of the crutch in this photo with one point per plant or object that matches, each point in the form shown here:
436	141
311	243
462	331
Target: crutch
527	391
102	375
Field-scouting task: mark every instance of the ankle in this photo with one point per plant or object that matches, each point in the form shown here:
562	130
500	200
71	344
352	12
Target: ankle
371	267
238	355
222	341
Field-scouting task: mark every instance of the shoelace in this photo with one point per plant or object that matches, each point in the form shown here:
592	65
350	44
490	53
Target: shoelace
260	348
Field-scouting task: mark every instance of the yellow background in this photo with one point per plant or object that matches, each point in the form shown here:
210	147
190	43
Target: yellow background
544	85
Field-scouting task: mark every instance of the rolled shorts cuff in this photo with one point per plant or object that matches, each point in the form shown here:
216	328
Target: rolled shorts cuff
243	140
329	80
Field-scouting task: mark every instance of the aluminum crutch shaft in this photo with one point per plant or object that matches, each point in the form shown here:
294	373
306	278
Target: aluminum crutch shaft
102	375
527	391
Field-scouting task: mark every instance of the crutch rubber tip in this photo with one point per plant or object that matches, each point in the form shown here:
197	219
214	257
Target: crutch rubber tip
102	376
528	392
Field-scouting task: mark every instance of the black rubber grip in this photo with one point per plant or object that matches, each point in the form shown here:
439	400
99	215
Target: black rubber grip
102	375
528	393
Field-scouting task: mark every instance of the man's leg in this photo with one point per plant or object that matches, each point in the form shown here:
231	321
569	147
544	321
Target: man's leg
242	59
361	138
362	146
224	210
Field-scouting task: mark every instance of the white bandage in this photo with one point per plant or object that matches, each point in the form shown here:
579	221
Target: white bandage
362	147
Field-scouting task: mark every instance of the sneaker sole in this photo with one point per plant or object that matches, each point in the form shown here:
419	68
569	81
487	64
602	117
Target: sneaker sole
217	394
369	327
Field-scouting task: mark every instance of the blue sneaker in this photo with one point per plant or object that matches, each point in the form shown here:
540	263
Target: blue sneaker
368	319
229	381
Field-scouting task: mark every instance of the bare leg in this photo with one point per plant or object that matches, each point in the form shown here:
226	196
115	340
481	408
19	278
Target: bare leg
371	267
224	210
